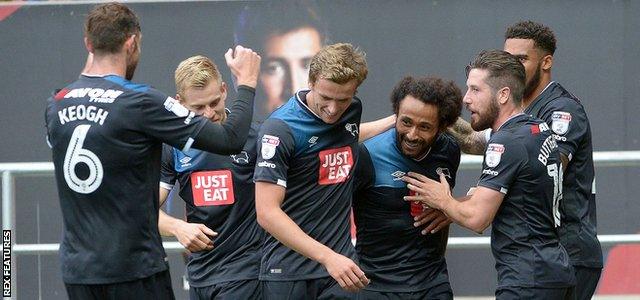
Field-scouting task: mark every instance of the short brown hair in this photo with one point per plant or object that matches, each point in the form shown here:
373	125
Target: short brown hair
339	63
109	25
196	71
505	70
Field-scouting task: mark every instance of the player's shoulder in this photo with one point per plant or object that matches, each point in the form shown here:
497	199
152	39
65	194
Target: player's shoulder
356	102
381	140
447	143
273	124
254	129
562	99
138	92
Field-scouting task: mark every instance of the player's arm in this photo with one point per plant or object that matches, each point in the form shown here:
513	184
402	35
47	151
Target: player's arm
273	219
370	129
194	237
470	141
230	137
565	161
570	126
475	212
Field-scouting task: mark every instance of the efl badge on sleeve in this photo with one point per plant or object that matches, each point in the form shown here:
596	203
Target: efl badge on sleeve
560	122
269	144
175	107
493	155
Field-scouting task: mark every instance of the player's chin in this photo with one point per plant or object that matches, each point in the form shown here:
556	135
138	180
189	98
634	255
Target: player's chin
410	151
330	120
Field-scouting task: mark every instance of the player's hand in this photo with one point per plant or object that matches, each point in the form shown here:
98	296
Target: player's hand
244	64
435	219
429	192
345	272
194	237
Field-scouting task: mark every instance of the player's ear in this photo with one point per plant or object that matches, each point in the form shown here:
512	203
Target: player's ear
178	97
547	62
88	45
130	44
503	95
223	90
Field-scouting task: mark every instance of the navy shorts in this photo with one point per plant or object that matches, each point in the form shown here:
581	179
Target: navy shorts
231	290
156	286
515	293
439	292
321	288
586	282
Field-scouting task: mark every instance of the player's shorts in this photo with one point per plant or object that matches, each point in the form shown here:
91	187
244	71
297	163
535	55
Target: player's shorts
322	289
586	282
231	290
439	292
516	293
156	286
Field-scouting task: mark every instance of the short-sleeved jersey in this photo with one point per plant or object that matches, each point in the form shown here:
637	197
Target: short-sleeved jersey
522	162
218	191
106	135
392	252
568	120
314	161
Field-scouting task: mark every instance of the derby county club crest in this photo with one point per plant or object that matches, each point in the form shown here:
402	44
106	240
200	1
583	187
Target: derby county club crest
560	122
493	154
269	144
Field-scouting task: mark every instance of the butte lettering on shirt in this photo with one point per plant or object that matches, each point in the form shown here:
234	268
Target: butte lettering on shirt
212	188
335	165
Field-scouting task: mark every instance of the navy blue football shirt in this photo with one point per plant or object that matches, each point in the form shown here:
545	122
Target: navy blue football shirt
106	136
522	162
392	252
218	191
568	120
314	161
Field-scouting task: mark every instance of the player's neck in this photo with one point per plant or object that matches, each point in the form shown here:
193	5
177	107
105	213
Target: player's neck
310	102
110	64
545	79
506	113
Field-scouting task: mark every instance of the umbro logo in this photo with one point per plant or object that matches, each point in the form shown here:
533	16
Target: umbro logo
313	141
352	128
185	162
397	175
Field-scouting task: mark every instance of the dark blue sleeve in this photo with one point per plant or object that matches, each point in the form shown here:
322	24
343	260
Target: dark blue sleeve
275	148
168	174
569	123
364	172
503	160
165	119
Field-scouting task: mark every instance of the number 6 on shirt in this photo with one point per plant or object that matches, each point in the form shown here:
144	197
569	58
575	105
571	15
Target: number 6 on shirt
75	155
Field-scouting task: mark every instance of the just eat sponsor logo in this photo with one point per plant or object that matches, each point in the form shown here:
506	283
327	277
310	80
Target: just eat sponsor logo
212	188
335	165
